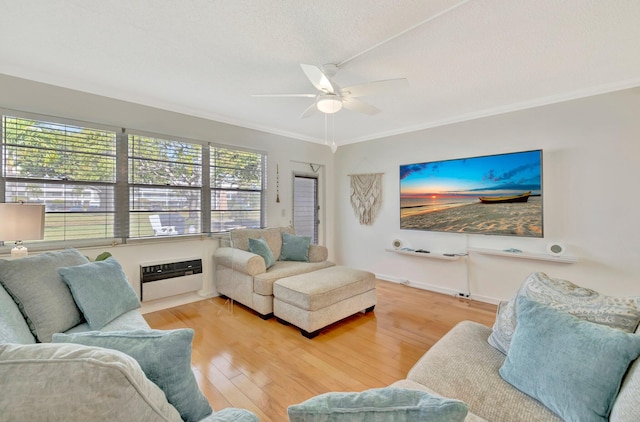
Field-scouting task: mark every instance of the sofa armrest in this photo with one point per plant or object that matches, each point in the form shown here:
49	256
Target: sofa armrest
462	365
318	253
239	260
49	381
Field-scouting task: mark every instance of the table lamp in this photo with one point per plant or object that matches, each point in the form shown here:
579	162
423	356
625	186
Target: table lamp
21	222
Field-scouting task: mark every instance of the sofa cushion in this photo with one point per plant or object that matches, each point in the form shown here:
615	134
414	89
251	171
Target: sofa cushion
463	366
165	357
101	291
260	247
132	320
68	382
622	313
13	327
378	404
572	366
319	289
295	248
44	299
263	283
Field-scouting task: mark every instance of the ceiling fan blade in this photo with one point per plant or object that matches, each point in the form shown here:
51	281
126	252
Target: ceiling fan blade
284	95
376	87
312	109
318	78
359	106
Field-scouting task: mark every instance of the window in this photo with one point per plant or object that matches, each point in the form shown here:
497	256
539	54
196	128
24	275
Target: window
165	181
101	184
70	169
237	186
305	206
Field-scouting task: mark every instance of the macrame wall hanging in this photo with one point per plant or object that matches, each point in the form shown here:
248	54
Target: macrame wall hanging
366	196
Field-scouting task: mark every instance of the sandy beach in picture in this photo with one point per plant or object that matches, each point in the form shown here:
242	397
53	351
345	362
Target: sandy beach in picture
516	219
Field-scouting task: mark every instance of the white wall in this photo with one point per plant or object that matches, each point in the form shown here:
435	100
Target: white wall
591	202
591	168
289	154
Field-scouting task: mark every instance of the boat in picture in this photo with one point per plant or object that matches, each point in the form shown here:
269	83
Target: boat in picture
523	197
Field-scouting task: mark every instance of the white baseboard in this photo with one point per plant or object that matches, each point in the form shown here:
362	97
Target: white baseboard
169	302
437	289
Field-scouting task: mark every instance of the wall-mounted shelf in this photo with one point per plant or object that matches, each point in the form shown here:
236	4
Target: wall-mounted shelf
565	259
431	254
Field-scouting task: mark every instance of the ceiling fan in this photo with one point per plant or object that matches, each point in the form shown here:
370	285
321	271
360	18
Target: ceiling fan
330	98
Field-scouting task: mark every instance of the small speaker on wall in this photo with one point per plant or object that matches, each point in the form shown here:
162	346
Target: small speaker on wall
555	249
397	244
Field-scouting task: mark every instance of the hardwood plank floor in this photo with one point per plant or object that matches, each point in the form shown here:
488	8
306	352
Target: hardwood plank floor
243	361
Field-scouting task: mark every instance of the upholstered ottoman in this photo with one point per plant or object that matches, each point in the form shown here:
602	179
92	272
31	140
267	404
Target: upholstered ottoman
317	299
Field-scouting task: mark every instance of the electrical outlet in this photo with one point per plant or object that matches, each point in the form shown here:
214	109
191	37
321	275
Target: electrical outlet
463	294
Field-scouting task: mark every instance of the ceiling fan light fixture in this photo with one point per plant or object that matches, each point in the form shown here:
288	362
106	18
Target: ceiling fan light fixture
329	104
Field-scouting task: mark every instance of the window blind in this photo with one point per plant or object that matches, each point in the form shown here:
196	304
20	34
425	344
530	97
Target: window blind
102	184
165	181
237	186
70	169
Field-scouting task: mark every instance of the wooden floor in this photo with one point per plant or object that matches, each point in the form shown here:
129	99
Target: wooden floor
243	361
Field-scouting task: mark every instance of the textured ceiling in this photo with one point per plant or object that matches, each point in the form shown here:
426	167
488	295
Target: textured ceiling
463	59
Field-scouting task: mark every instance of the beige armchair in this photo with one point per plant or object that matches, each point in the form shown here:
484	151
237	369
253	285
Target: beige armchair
243	276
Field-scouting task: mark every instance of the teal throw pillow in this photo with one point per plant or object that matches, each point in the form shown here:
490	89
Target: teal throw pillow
572	366
101	291
380	405
260	247
295	248
165	358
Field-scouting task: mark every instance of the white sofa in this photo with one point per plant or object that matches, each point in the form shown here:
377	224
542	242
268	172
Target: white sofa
42	380
464	365
243	276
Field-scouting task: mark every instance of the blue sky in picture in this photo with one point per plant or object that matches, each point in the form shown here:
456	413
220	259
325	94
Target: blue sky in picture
493	175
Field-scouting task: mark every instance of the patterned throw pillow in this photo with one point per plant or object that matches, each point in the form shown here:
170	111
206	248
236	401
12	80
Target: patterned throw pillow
622	313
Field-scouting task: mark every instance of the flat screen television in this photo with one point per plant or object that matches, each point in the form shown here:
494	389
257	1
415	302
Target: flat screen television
494	194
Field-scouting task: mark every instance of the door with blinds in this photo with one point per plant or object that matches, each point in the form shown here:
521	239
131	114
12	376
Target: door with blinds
305	206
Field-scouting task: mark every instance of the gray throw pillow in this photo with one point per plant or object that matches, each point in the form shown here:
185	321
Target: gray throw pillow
295	248
572	366
13	327
165	358
43	298
101	291
622	313
387	404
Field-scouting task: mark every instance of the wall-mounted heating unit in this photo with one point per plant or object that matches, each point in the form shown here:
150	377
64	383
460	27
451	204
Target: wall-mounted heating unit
163	279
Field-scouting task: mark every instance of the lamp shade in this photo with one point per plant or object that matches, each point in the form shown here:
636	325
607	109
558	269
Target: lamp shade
21	221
